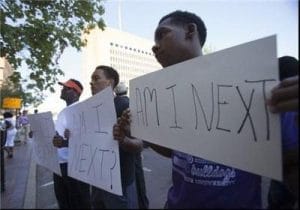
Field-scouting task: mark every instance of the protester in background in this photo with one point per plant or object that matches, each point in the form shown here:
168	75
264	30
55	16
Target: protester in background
285	195
23	122
10	133
30	134
102	77
70	193
121	92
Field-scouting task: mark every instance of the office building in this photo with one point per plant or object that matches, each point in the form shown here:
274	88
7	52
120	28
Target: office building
129	54
5	70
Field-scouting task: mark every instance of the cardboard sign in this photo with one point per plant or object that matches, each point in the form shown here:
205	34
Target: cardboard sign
214	107
44	153
93	153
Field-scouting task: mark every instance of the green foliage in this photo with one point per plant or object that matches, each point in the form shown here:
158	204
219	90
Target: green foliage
38	31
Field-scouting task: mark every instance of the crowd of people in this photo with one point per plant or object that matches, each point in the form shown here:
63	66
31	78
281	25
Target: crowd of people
17	130
179	36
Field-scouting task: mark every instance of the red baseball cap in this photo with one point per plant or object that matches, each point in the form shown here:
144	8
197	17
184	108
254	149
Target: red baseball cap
72	83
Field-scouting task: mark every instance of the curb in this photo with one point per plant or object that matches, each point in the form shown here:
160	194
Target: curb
30	194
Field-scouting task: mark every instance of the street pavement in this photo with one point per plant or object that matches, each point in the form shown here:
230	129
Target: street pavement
16	177
30	186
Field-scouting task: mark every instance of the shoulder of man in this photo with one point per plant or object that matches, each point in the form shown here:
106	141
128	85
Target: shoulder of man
121	100
121	103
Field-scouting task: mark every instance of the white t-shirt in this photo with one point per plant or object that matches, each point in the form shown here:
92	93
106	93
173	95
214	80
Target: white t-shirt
11	133
60	126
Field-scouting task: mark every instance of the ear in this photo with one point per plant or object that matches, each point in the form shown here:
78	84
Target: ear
191	30
112	83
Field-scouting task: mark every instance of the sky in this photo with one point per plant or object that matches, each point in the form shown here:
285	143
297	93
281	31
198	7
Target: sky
229	23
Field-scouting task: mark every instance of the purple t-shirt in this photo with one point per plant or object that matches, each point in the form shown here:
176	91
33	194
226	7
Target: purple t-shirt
289	130
198	183
23	120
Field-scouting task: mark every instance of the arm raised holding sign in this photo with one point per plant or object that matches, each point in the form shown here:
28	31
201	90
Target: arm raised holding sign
59	141
124	123
103	77
122	135
285	96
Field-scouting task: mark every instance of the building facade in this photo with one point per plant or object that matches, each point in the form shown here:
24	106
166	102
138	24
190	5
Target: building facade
130	55
5	70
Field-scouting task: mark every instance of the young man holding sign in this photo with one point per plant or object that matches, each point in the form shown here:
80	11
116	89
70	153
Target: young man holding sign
103	77
198	183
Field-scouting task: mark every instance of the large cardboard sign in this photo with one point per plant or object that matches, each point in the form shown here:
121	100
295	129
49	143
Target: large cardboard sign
44	153
214	107
93	154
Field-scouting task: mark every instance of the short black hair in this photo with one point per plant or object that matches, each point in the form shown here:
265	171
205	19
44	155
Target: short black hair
7	115
288	67
185	17
78	83
110	73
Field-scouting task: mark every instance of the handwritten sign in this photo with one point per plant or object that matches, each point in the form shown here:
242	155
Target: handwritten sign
214	107
93	154
11	103
44	153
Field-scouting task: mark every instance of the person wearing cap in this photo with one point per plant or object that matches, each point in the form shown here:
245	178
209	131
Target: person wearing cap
70	193
121	89
103	77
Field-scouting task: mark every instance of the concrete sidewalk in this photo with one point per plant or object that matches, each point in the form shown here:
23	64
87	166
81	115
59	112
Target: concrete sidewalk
27	185
19	174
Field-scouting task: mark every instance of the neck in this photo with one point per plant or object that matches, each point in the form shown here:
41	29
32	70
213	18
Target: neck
71	101
198	53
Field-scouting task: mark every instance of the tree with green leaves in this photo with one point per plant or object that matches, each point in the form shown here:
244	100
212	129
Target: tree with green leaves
36	33
11	90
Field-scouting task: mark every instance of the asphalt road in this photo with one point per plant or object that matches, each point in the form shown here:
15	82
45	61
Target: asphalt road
157	171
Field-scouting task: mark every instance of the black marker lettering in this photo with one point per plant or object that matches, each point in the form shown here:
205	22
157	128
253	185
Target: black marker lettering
139	106
265	105
219	104
98	120
82	124
111	169
174	105
196	95
247	112
102	157
151	94
92	160
81	157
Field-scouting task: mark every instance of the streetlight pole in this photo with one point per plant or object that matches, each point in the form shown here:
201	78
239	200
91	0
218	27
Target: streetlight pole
3	139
